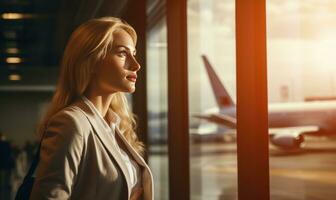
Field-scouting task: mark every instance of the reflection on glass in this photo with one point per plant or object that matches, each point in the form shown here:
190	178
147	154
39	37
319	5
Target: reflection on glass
212	94
302	90
157	107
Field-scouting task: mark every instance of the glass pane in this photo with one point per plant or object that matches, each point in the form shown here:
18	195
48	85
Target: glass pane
302	107
212	95
157	107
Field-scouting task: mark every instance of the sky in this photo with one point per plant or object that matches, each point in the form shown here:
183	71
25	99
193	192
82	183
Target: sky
301	45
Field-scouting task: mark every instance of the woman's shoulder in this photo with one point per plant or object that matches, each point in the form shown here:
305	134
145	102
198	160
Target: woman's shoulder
70	117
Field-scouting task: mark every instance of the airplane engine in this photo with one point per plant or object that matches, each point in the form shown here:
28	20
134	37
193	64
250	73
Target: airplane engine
287	141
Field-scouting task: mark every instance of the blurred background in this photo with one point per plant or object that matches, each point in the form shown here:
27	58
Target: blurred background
301	89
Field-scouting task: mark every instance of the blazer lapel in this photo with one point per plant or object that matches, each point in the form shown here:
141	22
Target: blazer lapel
134	154
147	176
105	139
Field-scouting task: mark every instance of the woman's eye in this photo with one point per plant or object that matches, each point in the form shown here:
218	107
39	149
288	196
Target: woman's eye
122	53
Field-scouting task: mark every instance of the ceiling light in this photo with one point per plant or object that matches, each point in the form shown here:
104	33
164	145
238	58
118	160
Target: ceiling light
14	77
13	60
16	16
12	50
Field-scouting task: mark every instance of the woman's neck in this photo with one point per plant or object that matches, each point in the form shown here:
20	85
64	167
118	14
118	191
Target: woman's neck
101	102
99	98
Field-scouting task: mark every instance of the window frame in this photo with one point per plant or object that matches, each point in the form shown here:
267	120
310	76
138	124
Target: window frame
178	112
252	105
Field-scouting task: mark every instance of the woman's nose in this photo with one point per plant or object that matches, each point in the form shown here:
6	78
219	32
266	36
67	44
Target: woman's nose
134	65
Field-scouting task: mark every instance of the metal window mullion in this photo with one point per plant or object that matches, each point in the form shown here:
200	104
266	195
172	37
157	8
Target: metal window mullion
252	115
178	115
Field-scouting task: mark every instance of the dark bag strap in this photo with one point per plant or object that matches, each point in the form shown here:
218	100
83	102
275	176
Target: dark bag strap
26	186
34	162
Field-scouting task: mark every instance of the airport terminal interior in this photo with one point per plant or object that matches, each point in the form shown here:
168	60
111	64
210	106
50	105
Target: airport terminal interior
235	99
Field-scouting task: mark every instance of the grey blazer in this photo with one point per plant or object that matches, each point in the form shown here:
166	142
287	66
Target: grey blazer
79	161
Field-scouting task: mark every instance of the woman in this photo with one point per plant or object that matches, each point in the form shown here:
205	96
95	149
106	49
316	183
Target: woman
89	148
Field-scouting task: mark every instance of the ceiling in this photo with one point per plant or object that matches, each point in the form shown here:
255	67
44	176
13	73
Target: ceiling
33	34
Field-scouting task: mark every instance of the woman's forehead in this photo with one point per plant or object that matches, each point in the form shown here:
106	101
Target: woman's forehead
123	39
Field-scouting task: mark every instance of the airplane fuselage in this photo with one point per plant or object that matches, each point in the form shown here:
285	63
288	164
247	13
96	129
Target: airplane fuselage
319	113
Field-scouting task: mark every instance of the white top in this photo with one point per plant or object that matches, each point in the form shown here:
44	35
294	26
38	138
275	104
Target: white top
132	166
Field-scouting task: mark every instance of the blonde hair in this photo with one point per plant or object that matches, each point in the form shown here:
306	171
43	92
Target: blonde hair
89	44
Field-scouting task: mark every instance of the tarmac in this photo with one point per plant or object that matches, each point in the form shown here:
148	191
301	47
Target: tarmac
305	174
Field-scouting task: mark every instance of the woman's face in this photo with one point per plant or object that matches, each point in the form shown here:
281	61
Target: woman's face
118	71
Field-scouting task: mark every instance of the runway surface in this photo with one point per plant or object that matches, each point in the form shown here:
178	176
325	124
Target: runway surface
305	174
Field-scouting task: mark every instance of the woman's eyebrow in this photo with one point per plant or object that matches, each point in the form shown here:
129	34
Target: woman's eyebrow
118	46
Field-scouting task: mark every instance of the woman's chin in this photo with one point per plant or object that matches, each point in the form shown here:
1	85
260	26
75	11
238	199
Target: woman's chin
130	90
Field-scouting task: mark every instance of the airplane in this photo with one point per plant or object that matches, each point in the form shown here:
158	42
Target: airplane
289	123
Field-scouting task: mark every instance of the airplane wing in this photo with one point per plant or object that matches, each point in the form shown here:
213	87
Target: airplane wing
284	137
220	119
231	122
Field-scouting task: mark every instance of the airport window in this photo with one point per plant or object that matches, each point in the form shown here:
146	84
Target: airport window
302	89
157	107
212	95
204	71
201	176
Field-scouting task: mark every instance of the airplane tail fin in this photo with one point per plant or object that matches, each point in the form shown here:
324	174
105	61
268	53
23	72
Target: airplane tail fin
222	96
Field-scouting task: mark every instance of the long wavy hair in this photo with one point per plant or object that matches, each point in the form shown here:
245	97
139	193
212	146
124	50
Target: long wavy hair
88	45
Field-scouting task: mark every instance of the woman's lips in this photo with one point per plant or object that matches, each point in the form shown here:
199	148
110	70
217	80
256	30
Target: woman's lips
131	78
